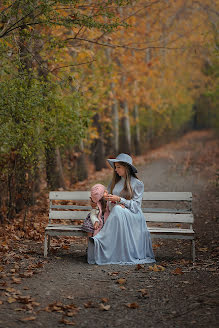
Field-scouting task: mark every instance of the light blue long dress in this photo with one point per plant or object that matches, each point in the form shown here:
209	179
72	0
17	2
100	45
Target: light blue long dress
124	238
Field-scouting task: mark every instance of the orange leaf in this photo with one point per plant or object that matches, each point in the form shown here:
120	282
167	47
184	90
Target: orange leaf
121	281
16	280
156	268
28	318
67	322
11	300
104	307
132	305
139	267
143	291
113	273
177	271
89	304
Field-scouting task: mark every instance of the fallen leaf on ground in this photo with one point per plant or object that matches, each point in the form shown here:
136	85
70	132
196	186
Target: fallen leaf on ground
185	282
65	246
11	300
89	304
139	267
11	290
71	313
104	299
26	274
113	273
204	249
122	287
156	246
104	307
132	305
143	291
16	280
25	299
177	271
35	304
67	322
121	281
1	302
156	268
28	319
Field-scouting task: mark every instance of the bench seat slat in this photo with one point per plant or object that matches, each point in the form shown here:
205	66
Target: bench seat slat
170	230
169	217
171	236
165	210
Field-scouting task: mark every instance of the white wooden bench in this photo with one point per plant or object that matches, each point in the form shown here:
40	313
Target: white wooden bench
174	223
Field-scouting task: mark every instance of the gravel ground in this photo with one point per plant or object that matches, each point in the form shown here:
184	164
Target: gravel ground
65	290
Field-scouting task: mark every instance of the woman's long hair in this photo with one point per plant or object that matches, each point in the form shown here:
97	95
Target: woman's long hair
103	203
127	191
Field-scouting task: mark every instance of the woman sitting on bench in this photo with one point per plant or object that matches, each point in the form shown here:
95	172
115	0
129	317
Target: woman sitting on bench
124	239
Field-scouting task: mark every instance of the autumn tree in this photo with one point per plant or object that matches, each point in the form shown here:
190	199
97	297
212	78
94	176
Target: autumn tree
39	111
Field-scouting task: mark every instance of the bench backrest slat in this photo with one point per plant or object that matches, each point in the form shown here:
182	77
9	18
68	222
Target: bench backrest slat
71	207
68	215
167	196
147	196
69	195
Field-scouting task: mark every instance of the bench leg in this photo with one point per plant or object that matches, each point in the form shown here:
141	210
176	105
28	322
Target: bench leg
45	246
193	251
49	237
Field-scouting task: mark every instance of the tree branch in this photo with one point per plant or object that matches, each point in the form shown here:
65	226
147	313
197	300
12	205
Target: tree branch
79	64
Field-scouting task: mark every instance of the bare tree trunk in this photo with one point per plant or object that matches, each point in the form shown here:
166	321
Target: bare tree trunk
125	143
115	113
54	172
137	140
136	134
115	122
125	135
80	172
54	169
98	153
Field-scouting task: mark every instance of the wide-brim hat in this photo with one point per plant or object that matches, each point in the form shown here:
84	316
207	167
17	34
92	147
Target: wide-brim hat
124	158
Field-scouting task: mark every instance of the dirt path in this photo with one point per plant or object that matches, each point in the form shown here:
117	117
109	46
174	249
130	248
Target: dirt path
65	290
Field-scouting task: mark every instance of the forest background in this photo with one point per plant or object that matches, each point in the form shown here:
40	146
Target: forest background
84	80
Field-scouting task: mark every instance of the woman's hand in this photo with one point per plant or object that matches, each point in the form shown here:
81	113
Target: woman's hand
112	198
96	225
